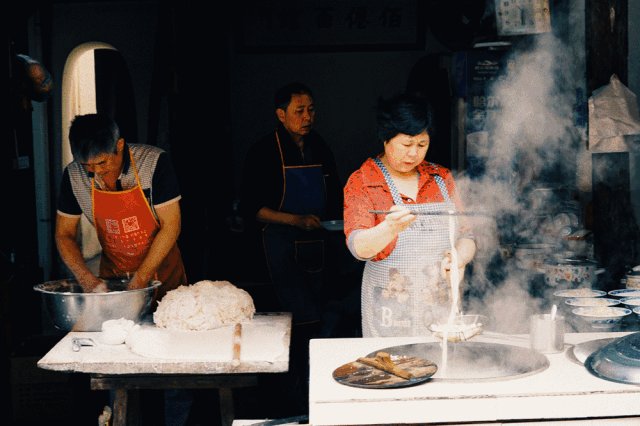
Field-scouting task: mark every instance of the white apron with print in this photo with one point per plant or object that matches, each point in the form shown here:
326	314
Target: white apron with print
404	293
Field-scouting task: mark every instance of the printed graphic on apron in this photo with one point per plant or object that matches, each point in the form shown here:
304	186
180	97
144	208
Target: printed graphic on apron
130	224
113	227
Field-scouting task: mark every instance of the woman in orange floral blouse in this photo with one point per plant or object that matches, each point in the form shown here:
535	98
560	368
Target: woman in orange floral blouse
413	238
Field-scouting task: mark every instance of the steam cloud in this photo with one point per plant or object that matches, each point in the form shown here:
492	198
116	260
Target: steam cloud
528	149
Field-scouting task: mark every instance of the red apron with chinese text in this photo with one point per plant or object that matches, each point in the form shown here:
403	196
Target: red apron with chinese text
126	227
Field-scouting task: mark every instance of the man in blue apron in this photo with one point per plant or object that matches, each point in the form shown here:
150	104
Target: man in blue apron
290	186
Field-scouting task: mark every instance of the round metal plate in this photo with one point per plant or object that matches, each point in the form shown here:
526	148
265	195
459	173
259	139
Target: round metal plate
361	375
475	361
582	350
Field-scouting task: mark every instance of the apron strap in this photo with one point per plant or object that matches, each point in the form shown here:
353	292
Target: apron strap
397	198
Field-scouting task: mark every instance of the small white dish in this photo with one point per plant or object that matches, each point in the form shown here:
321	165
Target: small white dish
333	225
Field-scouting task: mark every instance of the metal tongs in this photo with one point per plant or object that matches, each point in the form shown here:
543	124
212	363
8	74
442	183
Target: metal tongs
436	213
78	342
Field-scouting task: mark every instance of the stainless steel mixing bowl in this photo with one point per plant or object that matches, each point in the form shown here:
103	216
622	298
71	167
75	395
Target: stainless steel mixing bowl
72	310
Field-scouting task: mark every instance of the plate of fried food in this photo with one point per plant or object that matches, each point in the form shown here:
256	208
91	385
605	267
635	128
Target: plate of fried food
384	370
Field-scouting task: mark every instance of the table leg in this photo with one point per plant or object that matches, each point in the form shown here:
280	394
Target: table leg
120	403
226	406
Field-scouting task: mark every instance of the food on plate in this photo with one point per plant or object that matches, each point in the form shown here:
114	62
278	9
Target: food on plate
204	305
580	292
383	361
591	301
461	328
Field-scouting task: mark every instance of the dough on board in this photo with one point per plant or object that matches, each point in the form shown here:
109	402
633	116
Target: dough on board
205	305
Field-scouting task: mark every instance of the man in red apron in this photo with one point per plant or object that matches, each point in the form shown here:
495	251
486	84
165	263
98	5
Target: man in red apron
290	186
130	194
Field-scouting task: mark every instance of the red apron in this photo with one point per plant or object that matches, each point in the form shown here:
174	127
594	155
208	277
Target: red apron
126	227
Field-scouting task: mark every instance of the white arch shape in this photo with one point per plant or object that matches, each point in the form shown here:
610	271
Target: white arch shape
79	97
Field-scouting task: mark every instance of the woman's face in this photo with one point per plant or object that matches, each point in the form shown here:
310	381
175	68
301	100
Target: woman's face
403	153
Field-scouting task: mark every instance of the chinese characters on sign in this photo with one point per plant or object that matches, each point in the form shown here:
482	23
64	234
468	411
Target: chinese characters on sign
517	17
331	24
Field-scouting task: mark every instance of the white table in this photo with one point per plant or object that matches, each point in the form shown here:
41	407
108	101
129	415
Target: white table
116	367
565	390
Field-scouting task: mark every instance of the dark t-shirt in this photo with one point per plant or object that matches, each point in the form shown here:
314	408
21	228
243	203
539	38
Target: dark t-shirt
263	180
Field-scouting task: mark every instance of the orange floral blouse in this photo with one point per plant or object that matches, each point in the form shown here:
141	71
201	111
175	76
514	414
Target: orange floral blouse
367	190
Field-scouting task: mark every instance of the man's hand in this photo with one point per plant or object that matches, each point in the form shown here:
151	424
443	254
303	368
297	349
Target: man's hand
308	222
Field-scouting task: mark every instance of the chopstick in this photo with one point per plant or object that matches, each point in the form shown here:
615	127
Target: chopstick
436	213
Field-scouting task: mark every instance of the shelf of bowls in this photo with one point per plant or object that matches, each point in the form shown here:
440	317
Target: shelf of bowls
587	309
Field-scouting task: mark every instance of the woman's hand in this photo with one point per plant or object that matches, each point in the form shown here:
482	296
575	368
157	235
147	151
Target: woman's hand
369	242
446	265
399	220
465	251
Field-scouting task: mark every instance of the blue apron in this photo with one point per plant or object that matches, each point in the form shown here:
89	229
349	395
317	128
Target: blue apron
295	257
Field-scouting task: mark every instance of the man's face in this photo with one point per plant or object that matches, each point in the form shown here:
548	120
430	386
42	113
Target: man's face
104	164
299	116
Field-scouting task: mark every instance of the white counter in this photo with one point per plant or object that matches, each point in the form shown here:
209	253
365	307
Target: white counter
102	358
565	390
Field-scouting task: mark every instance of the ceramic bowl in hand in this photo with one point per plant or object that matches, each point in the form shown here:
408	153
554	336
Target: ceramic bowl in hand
602	317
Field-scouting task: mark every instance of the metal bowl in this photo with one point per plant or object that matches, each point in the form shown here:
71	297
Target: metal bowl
71	309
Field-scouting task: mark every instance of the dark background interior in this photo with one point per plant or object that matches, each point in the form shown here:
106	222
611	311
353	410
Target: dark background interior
189	111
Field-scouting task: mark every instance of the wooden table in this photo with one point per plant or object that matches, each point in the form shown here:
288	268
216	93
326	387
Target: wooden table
565	391
117	368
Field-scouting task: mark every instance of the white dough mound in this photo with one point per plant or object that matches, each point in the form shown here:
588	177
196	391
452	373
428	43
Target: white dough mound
205	305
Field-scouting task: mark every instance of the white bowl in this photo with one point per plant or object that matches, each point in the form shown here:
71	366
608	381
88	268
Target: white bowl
625	292
579	292
462	328
592	301
637	311
602	317
631	302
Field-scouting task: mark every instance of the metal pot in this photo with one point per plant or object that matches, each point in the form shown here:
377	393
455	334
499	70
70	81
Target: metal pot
72	310
632	278
570	272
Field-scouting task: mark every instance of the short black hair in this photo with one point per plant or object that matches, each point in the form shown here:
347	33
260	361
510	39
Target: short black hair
91	135
283	95
406	113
